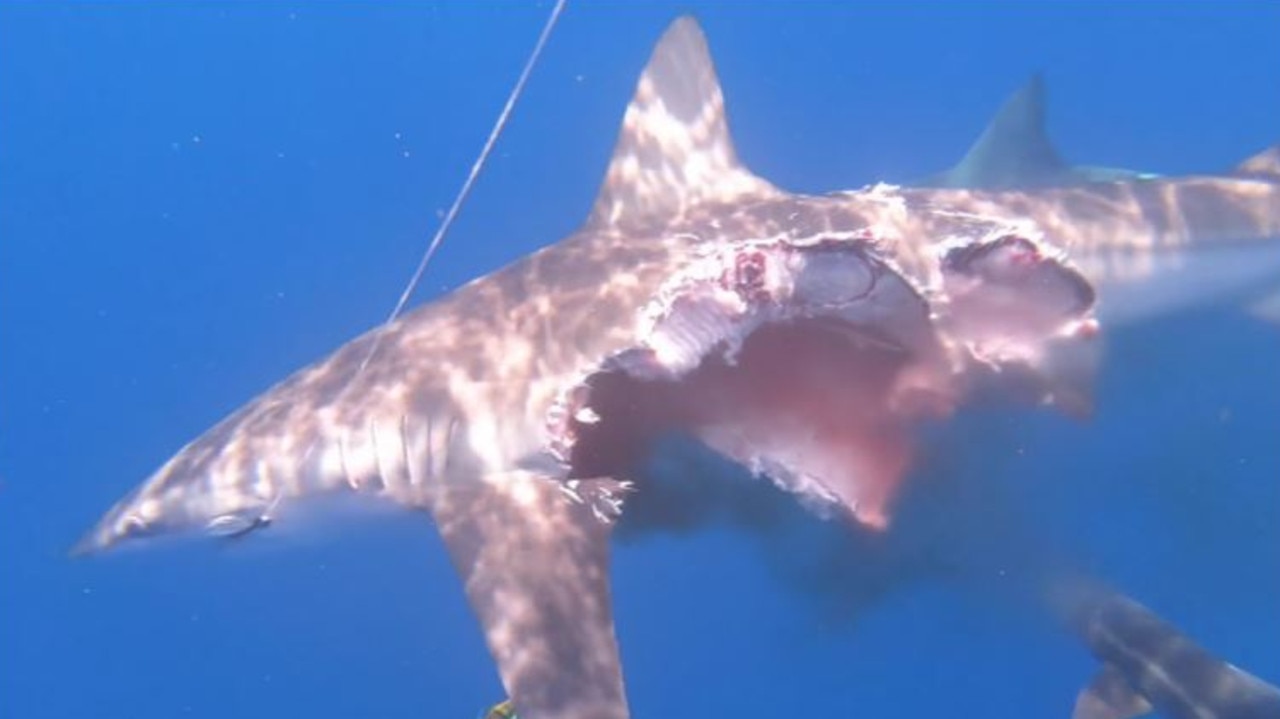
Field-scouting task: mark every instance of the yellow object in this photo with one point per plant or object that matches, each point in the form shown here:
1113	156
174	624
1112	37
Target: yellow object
502	710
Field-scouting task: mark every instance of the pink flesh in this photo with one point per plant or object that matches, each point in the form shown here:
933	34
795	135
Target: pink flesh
813	401
839	360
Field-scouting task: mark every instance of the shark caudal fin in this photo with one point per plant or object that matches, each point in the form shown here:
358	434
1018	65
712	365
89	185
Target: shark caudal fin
674	151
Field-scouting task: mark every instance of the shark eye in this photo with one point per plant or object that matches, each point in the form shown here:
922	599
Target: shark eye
236	524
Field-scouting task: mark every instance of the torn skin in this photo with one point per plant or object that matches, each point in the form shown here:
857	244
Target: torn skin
1026	317
810	362
804	362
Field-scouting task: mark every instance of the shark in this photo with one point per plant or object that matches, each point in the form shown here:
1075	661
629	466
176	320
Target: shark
802	337
1150	665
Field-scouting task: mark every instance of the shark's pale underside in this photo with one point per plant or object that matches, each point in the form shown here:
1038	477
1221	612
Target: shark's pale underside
801	336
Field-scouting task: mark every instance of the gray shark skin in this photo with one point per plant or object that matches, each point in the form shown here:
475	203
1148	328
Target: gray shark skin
1014	151
800	336
1148	665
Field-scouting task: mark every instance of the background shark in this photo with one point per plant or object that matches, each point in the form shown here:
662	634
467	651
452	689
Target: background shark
234	336
1148	665
1004	557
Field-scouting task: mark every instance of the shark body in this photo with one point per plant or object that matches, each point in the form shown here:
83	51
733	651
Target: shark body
1149	665
801	336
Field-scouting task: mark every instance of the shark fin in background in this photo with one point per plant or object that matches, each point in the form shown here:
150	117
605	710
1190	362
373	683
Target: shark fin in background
674	150
1109	696
1014	150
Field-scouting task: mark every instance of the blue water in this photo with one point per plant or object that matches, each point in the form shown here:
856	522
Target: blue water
196	199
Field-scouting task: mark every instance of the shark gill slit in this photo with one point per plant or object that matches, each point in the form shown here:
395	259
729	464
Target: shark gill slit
402	427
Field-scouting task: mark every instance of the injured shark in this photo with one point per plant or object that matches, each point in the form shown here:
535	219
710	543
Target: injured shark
1144	278
800	336
1148	665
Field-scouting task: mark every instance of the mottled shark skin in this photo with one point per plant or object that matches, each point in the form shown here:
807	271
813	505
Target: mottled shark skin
1014	151
1151	247
1149	665
1145	276
802	336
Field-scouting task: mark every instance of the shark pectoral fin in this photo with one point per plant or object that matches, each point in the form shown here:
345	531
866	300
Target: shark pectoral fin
674	150
1109	696
534	559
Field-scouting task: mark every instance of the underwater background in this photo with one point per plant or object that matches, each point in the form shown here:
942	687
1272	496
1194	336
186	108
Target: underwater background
198	198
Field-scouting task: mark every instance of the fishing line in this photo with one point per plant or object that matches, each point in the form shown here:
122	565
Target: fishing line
452	214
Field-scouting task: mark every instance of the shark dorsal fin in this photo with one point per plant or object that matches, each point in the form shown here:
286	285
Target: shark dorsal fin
1014	149
1265	164
674	151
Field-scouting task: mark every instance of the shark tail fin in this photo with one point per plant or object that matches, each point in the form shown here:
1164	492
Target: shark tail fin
674	150
1110	696
1264	166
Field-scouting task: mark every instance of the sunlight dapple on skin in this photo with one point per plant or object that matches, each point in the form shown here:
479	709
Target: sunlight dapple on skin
801	336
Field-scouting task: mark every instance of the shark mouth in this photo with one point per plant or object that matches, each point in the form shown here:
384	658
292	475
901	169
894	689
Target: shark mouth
803	361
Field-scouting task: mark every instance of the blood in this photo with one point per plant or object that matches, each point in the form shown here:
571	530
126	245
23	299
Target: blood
811	399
